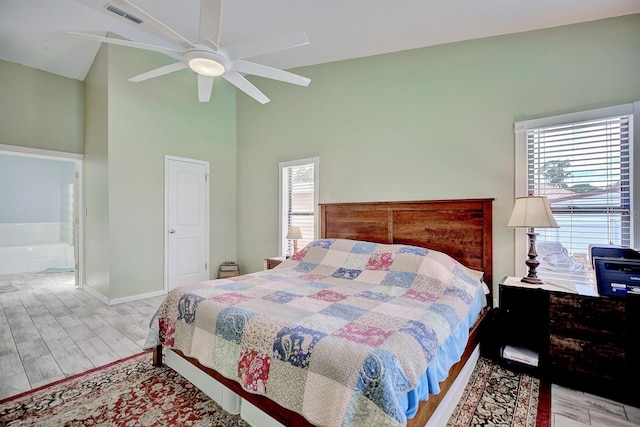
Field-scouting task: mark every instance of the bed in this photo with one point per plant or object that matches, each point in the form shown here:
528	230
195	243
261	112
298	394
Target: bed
320	339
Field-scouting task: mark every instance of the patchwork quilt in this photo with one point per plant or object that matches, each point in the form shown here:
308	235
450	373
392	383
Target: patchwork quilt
336	333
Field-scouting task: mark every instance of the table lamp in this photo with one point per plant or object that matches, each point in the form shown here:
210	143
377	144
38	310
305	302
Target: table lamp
532	212
294	234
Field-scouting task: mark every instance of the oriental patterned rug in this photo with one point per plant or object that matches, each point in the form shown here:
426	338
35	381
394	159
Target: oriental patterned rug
132	392
498	396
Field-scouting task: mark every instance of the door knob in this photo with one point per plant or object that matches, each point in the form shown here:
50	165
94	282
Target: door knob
172	231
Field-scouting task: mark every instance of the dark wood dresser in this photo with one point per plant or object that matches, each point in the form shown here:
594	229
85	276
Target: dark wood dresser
587	343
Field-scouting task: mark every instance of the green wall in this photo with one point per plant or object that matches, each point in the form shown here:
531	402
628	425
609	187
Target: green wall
96	176
422	124
143	123
431	123
40	110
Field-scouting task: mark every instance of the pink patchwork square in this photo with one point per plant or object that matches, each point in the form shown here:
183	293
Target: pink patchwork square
253	370
230	298
329	296
167	331
363	334
420	295
299	256
381	261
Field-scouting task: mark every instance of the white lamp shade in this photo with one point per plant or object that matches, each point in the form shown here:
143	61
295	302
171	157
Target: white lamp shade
294	233
532	211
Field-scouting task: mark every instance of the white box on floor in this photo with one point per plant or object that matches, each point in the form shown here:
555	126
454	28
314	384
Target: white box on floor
520	355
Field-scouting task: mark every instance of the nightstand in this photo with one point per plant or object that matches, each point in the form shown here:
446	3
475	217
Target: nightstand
274	261
523	324
584	342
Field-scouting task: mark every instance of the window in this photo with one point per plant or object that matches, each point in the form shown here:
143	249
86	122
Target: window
583	163
298	201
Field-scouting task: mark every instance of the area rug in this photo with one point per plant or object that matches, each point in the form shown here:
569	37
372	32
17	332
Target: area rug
132	392
498	396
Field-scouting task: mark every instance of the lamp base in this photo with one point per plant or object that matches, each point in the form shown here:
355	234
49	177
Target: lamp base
533	263
532	280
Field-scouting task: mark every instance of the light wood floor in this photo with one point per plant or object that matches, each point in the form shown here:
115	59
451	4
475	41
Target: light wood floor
50	330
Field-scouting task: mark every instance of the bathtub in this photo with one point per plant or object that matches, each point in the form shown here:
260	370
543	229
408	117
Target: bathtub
33	247
35	258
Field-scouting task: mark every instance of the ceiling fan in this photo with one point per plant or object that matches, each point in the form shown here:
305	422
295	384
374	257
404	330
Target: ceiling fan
205	57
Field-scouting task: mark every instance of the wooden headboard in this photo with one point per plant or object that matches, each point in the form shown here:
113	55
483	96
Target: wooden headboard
460	228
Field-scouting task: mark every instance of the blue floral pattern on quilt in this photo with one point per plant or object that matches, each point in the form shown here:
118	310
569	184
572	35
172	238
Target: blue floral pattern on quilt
347	273
363	248
306	267
281	297
187	307
447	312
375	296
326	244
413	250
381	379
399	278
424	335
343	311
295	345
231	323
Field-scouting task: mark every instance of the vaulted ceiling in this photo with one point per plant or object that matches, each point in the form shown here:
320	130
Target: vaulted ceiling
35	33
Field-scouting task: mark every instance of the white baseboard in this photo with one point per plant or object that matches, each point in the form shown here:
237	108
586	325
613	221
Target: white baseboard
136	297
115	301
95	293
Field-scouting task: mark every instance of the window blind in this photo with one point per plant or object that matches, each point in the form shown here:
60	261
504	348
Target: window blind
584	169
301	212
298	201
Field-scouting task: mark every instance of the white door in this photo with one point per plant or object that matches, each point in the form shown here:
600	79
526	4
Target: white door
186	221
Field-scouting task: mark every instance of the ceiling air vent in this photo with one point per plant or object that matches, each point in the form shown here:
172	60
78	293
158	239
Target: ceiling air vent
124	14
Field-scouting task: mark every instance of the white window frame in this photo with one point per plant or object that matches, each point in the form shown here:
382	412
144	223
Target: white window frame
521	169
283	214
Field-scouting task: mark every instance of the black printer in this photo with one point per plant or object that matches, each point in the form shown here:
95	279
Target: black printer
617	270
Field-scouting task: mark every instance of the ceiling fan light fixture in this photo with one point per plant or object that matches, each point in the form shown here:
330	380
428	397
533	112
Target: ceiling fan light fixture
206	67
205	61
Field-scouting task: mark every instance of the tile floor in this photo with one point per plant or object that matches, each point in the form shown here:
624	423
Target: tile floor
50	330
572	408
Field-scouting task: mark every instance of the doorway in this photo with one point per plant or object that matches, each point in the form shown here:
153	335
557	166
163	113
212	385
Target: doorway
40	225
186	221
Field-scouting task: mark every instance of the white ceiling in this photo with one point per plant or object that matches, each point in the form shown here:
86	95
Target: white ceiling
35	32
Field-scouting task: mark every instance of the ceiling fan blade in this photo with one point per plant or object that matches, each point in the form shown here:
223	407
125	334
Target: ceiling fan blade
176	66
205	86
255	69
211	21
246	86
138	16
121	42
261	47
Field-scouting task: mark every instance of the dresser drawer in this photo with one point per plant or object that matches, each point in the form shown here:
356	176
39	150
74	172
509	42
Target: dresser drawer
600	320
583	365
588	357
